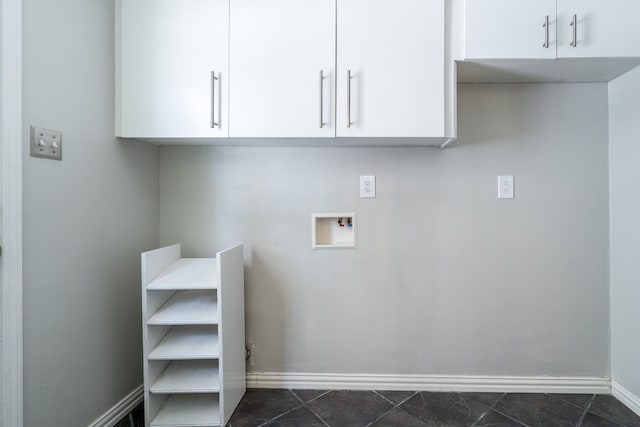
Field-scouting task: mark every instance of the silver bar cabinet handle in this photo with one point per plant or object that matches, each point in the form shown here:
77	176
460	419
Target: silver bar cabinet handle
546	32
574	24
214	80
321	99
348	98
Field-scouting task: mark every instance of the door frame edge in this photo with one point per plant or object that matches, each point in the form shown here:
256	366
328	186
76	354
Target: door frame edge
11	151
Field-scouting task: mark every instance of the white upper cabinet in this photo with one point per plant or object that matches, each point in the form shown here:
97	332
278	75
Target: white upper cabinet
603	28
172	68
195	70
510	29
390	68
282	68
517	29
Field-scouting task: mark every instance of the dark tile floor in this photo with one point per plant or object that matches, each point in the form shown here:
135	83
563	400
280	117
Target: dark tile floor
134	419
338	408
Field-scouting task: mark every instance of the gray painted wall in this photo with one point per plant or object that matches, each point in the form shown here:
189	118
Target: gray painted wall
446	278
1	240
86	220
624	193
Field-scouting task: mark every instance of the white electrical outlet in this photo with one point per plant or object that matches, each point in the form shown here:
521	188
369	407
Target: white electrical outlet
505	187
367	186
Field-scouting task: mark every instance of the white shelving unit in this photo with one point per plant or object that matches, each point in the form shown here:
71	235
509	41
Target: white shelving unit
193	337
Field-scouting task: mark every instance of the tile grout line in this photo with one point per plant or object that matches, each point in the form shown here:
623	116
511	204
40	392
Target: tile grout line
319	396
508	416
379	395
586	410
279	416
488	410
605	416
475	423
316	414
296	396
404	400
498	400
407	412
567	402
494	409
395	406
284	413
306	405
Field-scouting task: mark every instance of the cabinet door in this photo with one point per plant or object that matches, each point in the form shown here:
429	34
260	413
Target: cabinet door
167	51
603	28
278	50
393	51
510	29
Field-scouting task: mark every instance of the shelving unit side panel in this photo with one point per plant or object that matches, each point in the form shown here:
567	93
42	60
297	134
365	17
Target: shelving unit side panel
155	301
153	404
156	369
152	263
156	261
155	335
231	329
146	348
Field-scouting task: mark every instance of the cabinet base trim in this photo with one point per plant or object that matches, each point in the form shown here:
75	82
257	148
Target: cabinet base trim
629	399
120	409
429	383
319	142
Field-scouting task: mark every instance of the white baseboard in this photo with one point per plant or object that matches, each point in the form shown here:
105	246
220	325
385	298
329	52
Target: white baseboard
429	383
120	409
630	400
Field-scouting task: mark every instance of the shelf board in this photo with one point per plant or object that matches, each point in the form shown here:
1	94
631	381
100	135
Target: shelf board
561	70
335	245
187	273
188	376
188	342
187	308
189	411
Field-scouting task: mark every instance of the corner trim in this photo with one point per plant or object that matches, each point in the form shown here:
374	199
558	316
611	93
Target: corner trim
120	409
11	379
429	382
629	399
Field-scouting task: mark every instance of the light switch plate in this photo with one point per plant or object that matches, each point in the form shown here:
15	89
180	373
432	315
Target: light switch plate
46	143
367	186
505	187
